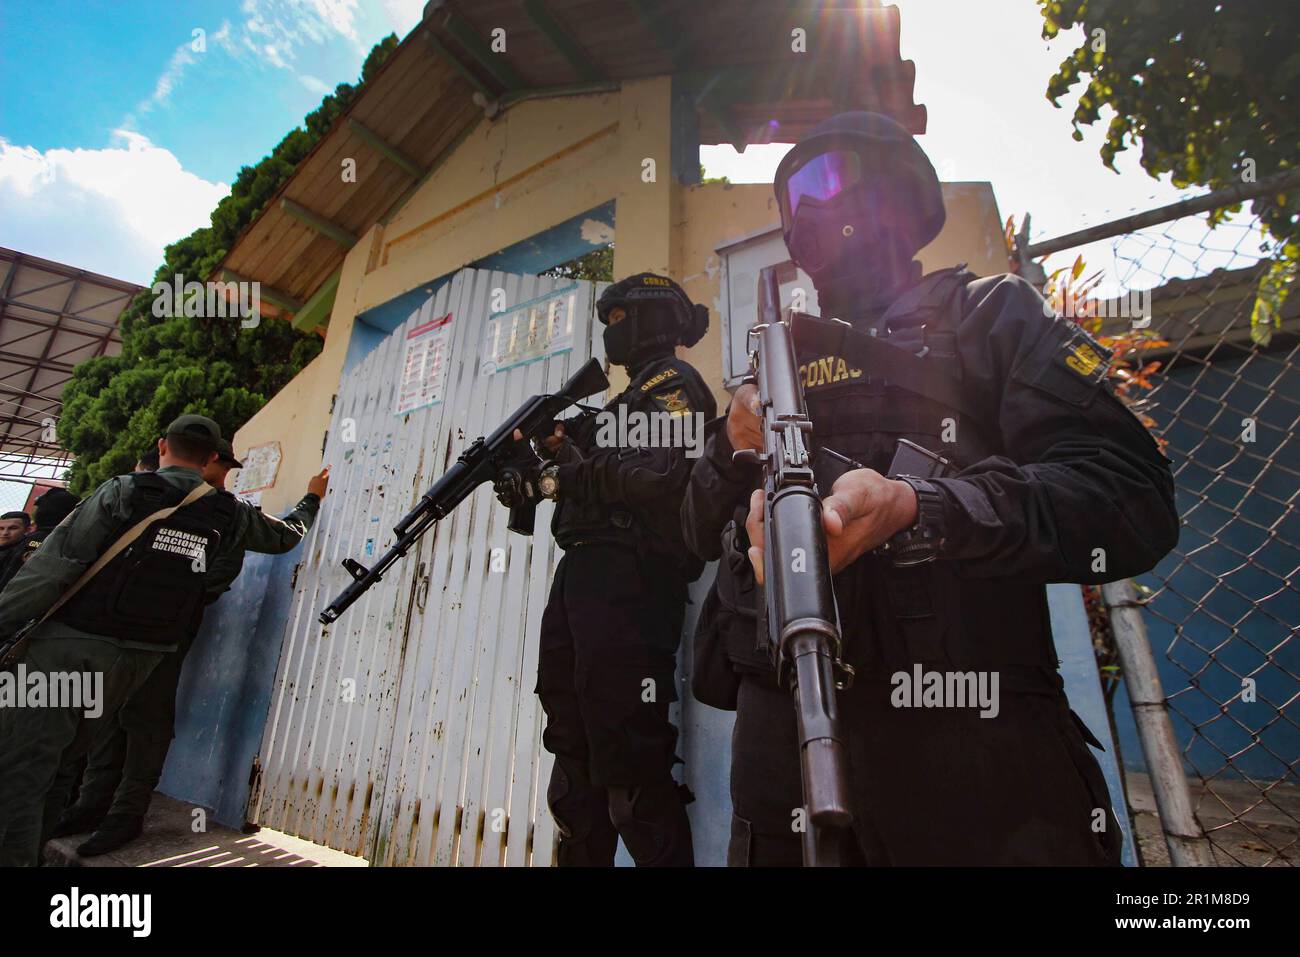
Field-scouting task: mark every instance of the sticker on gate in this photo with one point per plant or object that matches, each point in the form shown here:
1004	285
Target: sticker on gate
531	331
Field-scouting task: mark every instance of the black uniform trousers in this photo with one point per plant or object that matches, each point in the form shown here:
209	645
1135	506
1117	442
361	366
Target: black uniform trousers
606	679
929	786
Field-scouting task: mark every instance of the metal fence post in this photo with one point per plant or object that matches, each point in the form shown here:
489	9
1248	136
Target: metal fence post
1188	845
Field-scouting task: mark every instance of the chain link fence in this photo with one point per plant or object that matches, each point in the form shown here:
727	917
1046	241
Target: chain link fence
1175	296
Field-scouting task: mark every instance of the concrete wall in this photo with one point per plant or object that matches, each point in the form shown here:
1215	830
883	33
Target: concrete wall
540	164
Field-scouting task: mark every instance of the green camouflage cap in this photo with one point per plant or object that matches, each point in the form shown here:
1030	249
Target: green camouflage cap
198	427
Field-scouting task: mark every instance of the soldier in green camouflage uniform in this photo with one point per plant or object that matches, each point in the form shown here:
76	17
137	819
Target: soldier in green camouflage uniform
39	746
126	761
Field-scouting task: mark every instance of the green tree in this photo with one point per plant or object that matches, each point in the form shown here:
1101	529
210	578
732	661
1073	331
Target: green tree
1208	90
114	407
595	266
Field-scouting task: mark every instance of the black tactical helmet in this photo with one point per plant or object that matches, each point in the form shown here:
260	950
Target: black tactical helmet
659	316
858	179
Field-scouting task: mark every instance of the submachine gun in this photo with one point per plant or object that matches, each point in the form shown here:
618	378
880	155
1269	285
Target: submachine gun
801	614
499	458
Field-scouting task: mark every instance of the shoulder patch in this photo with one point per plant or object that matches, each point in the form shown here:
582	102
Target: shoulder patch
656	379
1083	355
674	401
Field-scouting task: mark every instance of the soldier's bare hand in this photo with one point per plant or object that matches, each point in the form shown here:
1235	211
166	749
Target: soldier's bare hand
754	528
551	443
744	424
319	483
863	511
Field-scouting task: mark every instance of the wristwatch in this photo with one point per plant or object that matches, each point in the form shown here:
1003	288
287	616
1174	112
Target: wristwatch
548	482
922	541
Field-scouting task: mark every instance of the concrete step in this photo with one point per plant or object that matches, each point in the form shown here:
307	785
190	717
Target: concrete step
169	840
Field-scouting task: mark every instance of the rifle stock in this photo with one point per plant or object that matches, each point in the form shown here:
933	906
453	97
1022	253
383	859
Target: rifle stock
479	463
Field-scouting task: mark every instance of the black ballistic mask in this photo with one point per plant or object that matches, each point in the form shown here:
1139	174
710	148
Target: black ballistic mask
858	199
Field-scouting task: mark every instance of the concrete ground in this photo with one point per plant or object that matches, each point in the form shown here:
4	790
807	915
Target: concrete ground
170	841
1266	834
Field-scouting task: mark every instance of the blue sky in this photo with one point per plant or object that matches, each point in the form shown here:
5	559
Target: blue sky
117	137
130	65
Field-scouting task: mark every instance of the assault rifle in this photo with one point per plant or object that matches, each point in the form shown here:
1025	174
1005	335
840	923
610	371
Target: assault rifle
802	619
500	458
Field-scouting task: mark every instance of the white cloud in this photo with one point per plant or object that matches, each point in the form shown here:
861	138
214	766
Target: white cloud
315	84
110	210
180	59
403	15
271	33
340	15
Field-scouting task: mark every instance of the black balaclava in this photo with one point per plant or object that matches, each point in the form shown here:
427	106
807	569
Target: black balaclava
54	506
659	316
866	200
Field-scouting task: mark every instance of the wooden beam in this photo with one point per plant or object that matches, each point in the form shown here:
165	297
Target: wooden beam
388	151
459	67
475	46
665	38
318	223
317	310
276	298
568	47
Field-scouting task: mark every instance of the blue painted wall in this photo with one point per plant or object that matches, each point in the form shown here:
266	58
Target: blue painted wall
557	244
225	690
1226	610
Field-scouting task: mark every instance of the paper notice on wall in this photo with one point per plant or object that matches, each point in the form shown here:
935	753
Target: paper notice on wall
261	465
532	330
424	366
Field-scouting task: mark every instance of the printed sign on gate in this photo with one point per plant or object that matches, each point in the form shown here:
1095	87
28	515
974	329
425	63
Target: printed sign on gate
533	330
424	365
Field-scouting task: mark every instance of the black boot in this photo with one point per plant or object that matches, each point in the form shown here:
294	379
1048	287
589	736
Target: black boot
653	824
78	820
116	831
580	810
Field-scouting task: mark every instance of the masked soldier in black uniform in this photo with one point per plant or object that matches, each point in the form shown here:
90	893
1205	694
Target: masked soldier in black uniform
940	570
610	632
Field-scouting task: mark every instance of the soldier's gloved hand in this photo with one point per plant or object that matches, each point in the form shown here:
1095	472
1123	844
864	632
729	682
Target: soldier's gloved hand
863	511
744	423
516	485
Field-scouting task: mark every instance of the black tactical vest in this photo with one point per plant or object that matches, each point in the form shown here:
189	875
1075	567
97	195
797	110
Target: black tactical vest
153	591
653	531
892	617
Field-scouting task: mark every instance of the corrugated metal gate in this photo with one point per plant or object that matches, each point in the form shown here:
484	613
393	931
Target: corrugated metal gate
407	732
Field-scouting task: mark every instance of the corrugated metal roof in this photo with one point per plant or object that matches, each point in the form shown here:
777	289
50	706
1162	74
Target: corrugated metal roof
738	62
52	318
